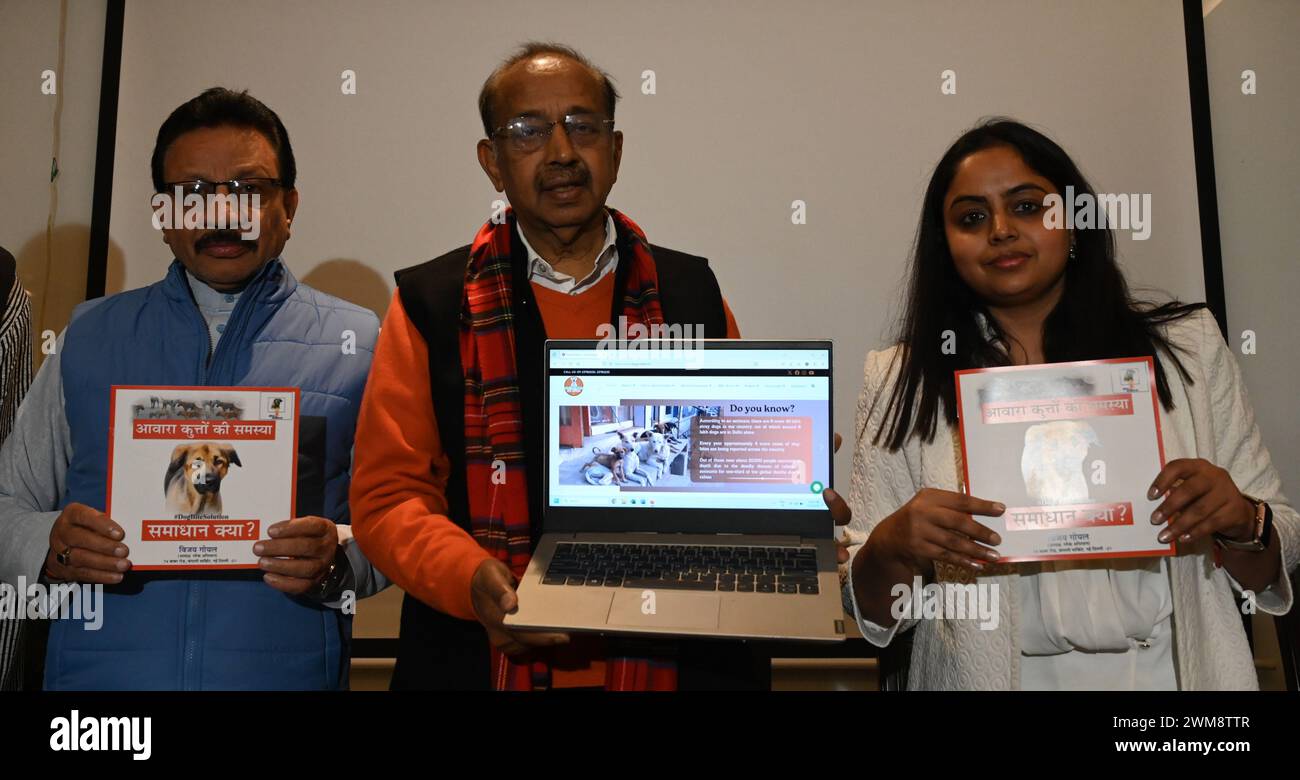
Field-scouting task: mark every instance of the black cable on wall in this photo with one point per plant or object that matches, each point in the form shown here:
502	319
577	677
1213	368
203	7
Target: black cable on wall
102	203
1198	84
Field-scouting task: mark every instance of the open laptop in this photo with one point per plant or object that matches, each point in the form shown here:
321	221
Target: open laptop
682	491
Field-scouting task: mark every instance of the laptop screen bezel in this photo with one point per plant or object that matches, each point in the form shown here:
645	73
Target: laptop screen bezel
810	523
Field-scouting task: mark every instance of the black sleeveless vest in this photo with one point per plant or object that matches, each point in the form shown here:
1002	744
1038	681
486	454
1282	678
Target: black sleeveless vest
436	650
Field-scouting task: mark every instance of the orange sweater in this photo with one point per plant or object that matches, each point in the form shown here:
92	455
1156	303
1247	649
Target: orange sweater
399	470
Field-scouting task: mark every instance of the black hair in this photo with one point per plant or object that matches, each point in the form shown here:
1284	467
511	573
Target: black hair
1096	318
487	95
217	107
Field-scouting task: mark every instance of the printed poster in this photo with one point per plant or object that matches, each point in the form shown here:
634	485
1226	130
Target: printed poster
196	474
1071	450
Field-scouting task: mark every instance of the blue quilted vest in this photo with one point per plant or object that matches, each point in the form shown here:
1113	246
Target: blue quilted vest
223	631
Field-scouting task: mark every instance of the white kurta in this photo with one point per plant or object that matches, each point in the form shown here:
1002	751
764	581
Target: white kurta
1097	624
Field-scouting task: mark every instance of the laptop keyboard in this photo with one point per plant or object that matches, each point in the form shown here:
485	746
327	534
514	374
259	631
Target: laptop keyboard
779	570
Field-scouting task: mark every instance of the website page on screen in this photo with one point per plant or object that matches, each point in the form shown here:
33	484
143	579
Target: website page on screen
690	428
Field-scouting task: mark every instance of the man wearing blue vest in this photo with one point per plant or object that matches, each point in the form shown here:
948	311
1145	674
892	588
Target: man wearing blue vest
228	312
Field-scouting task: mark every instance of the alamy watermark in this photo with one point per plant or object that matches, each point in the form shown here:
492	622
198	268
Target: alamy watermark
192	211
1122	211
947	601
133	735
638	335
630	341
60	600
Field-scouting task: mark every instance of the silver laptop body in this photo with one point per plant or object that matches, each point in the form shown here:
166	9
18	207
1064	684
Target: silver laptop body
682	492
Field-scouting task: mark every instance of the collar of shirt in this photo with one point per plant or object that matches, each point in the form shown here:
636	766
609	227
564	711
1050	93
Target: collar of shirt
542	273
214	305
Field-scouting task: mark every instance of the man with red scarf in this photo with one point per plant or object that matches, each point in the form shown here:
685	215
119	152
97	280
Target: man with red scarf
455	391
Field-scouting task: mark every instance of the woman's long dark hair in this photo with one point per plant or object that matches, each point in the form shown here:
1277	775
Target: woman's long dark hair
1095	318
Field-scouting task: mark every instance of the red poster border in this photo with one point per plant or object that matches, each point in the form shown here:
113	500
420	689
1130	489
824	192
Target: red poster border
1160	444
293	469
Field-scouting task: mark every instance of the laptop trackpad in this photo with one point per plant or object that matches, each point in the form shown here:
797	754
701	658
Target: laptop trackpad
664	608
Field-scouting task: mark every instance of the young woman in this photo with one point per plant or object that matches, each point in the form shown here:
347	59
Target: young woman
1014	292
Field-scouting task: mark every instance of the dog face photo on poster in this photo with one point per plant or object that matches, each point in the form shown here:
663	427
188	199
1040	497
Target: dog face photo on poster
1062	462
192	483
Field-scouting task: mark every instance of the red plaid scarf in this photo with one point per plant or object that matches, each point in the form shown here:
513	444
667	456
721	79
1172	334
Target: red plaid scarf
499	516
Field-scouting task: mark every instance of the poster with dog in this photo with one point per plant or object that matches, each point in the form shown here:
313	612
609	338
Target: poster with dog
196	474
1070	449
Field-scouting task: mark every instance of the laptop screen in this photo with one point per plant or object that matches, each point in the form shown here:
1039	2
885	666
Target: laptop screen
725	428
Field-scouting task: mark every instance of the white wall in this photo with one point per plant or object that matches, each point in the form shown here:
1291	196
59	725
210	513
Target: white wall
833	102
1257	164
53	269
758	103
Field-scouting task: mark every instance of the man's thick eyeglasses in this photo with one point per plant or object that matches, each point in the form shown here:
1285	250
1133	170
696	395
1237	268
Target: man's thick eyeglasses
249	186
530	133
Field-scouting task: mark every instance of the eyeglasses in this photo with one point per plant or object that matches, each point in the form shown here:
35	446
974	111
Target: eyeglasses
530	133
250	186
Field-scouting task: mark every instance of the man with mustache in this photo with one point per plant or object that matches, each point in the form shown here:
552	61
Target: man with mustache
228	312
561	264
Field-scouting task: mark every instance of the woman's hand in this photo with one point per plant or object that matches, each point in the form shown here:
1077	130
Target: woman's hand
938	525
935	525
1200	499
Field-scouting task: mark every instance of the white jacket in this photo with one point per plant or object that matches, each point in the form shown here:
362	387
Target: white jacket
1211	419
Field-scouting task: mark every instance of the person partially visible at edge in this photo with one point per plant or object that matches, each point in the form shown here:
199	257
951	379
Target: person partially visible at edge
1014	291
15	377
228	312
560	265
